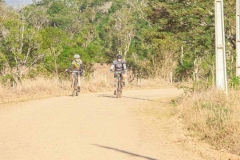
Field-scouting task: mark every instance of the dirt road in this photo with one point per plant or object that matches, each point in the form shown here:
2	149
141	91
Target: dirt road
89	127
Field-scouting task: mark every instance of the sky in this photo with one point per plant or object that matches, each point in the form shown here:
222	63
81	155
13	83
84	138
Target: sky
15	3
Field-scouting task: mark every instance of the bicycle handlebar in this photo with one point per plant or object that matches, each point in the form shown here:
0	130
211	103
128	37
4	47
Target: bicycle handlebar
68	70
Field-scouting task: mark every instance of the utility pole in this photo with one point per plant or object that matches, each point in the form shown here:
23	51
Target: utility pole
238	37
221	74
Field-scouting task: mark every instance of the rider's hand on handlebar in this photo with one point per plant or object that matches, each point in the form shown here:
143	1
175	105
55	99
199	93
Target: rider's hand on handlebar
68	70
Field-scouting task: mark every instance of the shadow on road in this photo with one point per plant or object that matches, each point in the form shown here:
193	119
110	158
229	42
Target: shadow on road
138	98
107	95
111	96
126	152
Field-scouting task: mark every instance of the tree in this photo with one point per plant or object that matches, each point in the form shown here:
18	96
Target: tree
22	44
37	16
54	39
155	37
191	23
122	30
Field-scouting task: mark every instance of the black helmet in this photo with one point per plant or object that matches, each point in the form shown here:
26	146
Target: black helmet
119	56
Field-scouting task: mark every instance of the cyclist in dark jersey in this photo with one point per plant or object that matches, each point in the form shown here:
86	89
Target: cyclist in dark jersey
119	65
76	68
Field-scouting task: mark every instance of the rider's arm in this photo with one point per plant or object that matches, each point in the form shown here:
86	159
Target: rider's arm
70	68
112	66
81	67
124	66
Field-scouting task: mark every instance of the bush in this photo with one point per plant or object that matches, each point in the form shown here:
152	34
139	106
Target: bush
235	83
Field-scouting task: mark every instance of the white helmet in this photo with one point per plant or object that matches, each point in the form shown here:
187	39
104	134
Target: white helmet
76	56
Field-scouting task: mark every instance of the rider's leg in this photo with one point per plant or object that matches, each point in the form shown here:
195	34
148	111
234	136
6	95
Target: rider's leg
72	76
124	77
79	82
115	84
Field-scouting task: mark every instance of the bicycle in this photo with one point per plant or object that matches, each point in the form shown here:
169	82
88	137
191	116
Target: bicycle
119	84
75	91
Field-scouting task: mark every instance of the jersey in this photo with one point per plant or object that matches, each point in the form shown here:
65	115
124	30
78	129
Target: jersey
119	65
76	65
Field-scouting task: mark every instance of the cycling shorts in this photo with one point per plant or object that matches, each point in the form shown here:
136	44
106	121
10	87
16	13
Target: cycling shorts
115	74
79	73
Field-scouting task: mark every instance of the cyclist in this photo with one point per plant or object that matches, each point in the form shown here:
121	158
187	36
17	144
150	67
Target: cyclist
76	68
119	65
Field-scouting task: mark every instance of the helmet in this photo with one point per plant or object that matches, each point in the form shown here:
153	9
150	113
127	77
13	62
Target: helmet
76	56
119	56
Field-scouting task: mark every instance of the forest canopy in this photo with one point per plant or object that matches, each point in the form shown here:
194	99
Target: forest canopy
155	37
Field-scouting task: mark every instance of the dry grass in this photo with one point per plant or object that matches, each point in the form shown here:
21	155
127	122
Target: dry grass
214	116
151	83
32	89
42	87
97	84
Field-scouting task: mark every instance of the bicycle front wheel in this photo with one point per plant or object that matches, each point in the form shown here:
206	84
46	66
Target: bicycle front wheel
119	89
75	92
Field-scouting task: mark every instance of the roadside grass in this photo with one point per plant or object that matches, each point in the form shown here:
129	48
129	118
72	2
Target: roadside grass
214	117
41	87
33	89
160	109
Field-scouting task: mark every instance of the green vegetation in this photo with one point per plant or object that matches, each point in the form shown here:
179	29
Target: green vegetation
155	37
